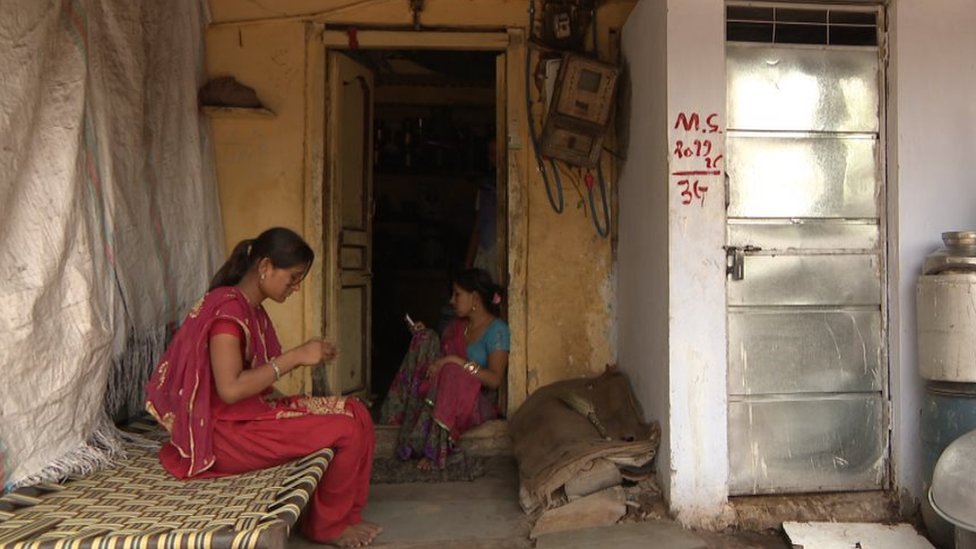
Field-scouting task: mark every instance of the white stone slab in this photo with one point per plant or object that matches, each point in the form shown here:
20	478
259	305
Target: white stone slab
854	535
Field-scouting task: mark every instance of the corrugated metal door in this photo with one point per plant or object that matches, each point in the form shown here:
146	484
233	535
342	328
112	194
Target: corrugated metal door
807	367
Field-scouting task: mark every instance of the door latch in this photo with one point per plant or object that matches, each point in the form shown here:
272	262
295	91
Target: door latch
735	257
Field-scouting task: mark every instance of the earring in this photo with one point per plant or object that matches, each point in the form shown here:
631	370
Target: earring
262	277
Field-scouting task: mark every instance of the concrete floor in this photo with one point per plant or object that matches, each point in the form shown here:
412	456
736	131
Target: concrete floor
484	514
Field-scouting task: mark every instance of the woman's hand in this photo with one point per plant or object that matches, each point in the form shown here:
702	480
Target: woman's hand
235	382
418	327
435	367
314	351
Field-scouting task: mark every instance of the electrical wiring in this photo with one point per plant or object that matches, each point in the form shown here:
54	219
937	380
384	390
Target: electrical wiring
604	229
557	203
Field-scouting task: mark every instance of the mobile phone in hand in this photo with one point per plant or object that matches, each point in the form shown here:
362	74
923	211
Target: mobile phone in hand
410	321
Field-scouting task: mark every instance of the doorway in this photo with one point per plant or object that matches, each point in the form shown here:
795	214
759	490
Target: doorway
412	158
434	189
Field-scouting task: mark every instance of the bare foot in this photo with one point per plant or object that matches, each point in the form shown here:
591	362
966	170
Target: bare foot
425	464
352	536
372	527
369	529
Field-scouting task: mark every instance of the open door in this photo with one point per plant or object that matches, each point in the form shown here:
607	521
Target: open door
348	218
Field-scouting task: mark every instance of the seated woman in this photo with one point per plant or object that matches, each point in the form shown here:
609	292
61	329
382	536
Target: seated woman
212	390
445	387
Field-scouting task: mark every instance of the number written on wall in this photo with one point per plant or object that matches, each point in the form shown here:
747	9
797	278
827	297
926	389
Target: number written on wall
692	190
696	157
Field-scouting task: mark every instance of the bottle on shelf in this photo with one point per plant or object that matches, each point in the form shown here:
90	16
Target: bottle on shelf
379	142
408	145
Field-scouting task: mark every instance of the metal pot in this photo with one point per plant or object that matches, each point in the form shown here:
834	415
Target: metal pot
958	254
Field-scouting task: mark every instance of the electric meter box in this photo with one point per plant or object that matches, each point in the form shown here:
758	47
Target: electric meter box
579	112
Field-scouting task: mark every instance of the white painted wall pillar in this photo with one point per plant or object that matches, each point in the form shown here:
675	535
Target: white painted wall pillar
698	338
671	264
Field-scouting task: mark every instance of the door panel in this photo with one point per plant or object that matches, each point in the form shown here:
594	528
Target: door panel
349	219
779	88
816	176
799	234
353	258
352	299
806	445
807	363
849	279
353	169
775	352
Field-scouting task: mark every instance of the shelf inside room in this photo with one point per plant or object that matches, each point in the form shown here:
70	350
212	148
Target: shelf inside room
238	112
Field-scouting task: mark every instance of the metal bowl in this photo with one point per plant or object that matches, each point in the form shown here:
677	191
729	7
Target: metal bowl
959	239
958	254
953	491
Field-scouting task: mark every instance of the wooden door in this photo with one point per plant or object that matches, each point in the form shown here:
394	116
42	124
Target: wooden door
348	207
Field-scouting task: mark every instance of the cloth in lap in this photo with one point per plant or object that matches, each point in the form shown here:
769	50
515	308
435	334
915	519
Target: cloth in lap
433	415
553	442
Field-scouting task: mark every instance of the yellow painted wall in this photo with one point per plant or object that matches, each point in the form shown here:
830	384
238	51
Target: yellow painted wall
568	330
259	159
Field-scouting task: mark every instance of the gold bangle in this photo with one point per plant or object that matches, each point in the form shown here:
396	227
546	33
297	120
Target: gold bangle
471	367
274	366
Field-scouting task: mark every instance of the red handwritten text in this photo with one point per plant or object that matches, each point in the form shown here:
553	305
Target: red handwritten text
691	191
697	158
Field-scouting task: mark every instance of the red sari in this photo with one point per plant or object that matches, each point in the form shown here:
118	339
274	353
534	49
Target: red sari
209	437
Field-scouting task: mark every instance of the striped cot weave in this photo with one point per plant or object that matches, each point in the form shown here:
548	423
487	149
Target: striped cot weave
139	505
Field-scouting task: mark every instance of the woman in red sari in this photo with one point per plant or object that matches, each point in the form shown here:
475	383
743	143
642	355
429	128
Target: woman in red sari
212	390
449	385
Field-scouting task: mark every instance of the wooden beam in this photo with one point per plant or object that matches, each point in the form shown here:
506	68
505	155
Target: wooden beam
516	143
319	16
501	192
386	40
214	111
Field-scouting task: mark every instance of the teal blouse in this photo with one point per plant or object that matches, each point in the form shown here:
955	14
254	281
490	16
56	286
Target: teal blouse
495	338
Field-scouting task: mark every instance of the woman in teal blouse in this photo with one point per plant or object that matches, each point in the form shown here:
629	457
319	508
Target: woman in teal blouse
448	385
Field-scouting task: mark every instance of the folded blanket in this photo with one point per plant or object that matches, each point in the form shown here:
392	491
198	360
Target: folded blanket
562	428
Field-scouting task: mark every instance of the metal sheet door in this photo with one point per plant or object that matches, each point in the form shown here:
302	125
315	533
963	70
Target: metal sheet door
807	367
349	209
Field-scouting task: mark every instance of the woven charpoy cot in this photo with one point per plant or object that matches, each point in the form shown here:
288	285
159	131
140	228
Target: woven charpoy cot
140	505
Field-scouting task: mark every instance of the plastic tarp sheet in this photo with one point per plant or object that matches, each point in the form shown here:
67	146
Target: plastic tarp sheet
109	219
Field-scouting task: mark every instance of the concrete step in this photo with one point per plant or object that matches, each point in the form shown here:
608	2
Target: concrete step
480	514
490	439
499	543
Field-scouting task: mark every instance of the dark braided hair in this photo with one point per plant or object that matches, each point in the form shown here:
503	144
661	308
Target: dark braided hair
283	247
479	282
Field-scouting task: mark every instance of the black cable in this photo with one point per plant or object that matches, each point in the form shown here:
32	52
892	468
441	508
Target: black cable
604	230
535	145
614	154
596	44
